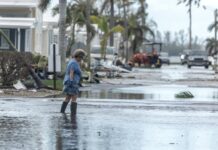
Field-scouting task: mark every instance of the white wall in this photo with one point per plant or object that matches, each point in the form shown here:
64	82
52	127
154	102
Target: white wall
38	32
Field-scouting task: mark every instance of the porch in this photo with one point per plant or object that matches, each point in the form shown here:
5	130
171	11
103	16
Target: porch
20	31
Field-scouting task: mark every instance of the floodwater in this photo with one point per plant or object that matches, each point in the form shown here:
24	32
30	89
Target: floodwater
163	85
130	118
37	124
155	92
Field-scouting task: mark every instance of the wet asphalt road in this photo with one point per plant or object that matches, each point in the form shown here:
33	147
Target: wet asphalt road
112	123
37	124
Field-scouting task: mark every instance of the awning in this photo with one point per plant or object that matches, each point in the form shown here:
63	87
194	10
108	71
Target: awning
17	22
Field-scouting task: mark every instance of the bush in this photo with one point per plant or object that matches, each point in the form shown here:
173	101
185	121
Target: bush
12	66
36	58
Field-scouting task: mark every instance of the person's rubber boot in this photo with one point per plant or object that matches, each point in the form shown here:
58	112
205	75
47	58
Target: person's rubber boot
63	107
73	108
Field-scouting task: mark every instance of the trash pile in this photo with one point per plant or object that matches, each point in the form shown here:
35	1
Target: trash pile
106	69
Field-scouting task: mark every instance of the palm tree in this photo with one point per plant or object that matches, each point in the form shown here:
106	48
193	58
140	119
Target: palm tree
136	32
214	26
89	28
189	3
124	4
102	23
141	12
62	18
138	29
85	8
76	15
111	17
211	43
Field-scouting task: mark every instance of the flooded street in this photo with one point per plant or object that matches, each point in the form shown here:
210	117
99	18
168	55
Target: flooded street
144	116
160	84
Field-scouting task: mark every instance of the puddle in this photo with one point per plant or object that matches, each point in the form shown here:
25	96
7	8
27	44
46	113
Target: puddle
167	92
105	94
155	92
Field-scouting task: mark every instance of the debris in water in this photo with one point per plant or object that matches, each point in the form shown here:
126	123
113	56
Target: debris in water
185	94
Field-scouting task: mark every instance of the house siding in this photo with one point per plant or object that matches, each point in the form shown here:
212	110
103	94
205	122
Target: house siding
20	1
27	30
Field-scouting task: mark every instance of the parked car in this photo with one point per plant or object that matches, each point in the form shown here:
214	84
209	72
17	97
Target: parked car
164	56
198	58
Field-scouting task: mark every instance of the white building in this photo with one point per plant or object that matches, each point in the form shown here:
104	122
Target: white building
22	22
81	35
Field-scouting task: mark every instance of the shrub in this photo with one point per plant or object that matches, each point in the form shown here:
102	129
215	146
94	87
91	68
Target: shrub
36	58
12	66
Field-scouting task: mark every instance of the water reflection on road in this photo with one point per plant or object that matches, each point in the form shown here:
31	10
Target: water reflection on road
105	94
167	92
155	92
37	124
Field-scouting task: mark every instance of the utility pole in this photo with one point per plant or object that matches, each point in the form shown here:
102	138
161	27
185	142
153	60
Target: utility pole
216	24
112	22
190	25
215	38
125	4
126	33
88	32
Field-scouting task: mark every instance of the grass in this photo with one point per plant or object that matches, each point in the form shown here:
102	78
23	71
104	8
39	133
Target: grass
50	83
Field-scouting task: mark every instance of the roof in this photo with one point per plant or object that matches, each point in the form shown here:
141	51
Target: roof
18	4
17	22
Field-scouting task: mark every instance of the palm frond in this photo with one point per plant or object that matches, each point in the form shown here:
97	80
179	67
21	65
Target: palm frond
55	10
95	19
117	28
211	26
189	2
184	94
43	5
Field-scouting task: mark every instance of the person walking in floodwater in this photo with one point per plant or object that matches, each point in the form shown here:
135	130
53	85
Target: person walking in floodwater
71	80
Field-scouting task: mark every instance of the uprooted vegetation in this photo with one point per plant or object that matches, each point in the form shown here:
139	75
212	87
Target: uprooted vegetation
12	66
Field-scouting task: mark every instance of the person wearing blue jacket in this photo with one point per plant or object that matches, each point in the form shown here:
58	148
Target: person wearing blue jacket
71	81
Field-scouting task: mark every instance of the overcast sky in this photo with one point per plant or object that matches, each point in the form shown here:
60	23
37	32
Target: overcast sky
172	17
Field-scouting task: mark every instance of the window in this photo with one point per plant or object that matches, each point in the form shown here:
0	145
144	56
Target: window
3	43
14	15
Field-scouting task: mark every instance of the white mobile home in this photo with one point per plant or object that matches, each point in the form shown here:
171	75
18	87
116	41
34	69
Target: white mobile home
22	22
